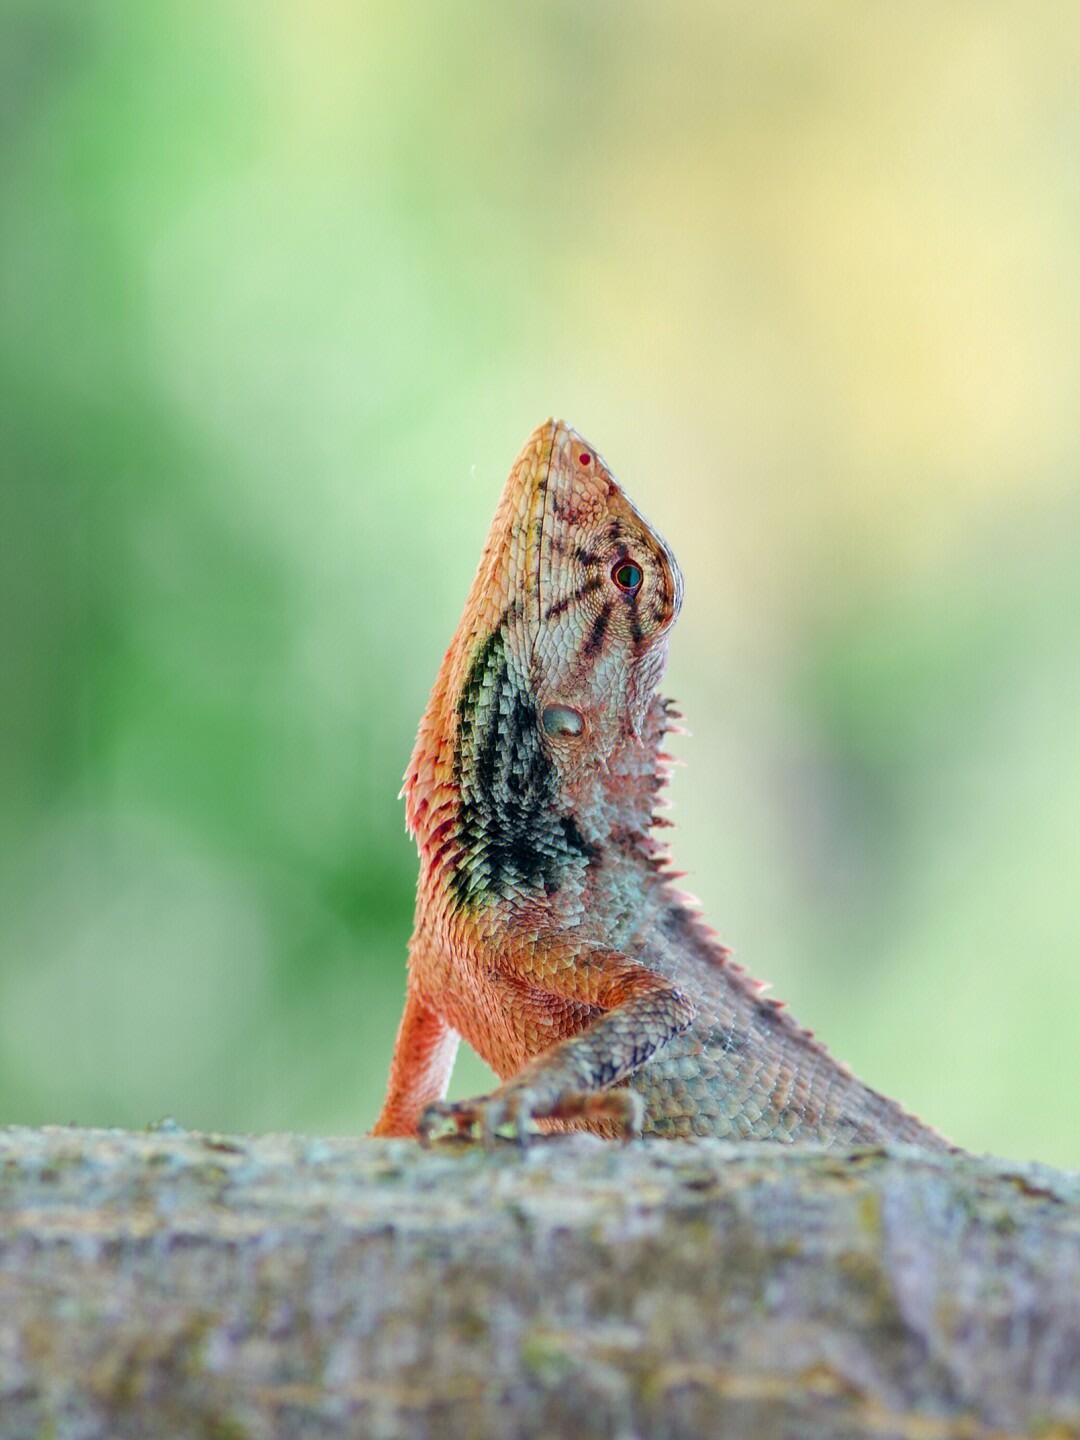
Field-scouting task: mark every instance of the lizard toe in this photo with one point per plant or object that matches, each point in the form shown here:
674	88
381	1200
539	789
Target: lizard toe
462	1114
510	1111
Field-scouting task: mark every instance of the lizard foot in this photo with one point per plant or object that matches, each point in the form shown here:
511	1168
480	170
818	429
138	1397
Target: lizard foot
515	1107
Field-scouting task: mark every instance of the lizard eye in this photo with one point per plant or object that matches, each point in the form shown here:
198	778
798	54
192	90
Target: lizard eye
627	576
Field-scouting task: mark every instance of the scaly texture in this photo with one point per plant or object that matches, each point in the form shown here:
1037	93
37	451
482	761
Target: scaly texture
549	932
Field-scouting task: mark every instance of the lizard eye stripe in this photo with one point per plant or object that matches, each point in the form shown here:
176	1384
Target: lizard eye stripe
627	576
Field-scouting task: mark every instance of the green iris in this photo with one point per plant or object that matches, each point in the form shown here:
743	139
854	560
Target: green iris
627	576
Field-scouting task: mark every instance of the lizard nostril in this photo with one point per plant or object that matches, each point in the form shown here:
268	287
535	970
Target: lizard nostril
562	720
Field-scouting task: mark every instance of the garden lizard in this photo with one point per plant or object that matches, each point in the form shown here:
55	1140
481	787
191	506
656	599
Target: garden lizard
549	932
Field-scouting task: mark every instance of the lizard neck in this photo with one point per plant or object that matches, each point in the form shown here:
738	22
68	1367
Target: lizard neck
618	803
496	823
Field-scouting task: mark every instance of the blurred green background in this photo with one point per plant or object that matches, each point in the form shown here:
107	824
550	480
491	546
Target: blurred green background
284	289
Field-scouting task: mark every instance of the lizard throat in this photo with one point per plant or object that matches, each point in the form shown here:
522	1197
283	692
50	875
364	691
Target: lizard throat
513	842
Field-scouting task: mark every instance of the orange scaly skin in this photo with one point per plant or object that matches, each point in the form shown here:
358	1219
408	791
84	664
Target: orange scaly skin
549	933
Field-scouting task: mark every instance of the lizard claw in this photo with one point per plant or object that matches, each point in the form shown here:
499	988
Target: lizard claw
510	1110
621	1109
513	1109
478	1119
460	1113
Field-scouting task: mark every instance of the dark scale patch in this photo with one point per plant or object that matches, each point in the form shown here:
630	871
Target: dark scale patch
559	607
642	1051
637	635
675	919
513	841
626	839
587	557
595	637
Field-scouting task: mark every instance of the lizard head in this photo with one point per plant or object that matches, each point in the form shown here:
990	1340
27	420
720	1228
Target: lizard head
552	672
607	591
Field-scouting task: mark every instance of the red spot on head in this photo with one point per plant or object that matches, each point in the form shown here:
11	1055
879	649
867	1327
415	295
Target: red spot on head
584	458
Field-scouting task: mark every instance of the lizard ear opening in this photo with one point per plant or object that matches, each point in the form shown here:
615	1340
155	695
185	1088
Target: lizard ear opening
562	720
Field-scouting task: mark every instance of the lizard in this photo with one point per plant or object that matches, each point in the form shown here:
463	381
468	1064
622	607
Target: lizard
549	931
